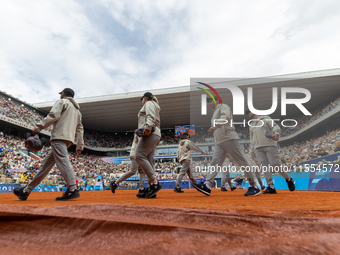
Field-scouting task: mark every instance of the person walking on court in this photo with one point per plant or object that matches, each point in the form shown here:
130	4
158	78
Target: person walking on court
67	125
149	119
264	134
226	142
134	168
184	155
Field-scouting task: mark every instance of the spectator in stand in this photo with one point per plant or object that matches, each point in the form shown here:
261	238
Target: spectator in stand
336	146
23	178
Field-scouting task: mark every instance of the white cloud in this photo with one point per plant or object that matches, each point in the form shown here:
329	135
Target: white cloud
112	46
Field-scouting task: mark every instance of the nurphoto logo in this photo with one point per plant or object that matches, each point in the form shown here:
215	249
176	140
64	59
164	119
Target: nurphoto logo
239	99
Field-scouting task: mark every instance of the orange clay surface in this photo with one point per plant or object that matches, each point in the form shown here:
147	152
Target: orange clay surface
310	202
190	223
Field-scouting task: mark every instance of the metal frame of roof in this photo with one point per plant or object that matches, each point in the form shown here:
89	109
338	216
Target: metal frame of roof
181	105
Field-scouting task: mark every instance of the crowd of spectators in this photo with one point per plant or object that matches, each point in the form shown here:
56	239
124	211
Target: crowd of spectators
304	121
91	169
19	112
310	149
165	170
107	140
11	155
168	137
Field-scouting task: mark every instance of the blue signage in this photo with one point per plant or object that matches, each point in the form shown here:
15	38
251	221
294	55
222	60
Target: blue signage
7	188
46	188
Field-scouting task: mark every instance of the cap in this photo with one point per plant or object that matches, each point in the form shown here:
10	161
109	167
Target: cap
68	92
146	94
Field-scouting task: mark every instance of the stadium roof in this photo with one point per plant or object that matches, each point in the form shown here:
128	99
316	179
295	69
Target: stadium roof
179	105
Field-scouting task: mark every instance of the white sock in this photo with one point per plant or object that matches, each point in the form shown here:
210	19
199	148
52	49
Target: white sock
26	190
208	186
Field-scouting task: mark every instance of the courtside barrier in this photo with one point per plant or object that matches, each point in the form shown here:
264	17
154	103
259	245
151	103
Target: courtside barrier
6	188
311	178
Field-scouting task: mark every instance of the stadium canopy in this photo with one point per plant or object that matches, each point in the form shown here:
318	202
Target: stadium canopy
182	105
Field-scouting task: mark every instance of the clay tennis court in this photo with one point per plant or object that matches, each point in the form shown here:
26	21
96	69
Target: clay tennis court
100	222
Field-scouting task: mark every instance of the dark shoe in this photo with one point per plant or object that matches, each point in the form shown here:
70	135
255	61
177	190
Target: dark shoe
178	190
142	193
68	195
263	187
21	194
154	188
291	184
202	188
223	189
113	186
252	192
270	190
232	188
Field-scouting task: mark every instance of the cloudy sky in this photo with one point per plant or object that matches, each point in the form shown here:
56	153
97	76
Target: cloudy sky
106	46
